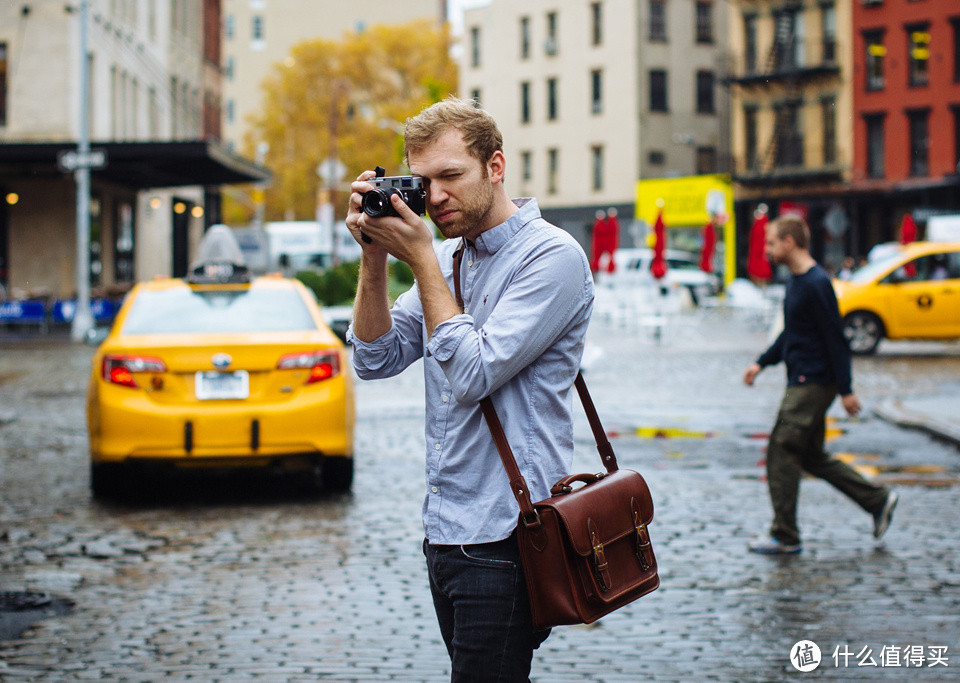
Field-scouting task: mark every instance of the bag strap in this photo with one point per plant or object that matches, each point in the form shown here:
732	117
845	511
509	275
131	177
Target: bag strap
517	483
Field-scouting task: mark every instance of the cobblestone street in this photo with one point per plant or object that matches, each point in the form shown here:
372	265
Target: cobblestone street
231	579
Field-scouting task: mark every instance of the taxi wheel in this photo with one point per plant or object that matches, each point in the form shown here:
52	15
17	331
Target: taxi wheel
863	331
106	480
337	473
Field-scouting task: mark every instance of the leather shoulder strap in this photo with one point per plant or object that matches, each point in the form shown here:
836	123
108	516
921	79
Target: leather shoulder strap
517	482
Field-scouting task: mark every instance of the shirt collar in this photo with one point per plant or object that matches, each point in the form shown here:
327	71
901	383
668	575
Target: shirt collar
491	240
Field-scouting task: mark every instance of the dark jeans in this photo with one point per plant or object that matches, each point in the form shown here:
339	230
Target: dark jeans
480	597
796	446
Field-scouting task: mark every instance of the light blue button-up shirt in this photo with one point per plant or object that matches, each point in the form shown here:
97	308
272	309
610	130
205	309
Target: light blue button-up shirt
527	294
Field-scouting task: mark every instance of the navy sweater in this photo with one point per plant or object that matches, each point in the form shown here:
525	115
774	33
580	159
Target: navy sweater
812	343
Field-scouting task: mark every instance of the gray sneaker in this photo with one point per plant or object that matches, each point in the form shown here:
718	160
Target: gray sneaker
774	546
881	520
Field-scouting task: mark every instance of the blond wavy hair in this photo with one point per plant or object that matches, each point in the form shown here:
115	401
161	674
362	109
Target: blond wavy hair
480	132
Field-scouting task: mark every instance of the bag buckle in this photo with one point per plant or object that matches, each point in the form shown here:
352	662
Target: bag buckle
643	541
599	562
531	522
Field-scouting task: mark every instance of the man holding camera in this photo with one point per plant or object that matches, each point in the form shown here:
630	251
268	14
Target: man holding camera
527	296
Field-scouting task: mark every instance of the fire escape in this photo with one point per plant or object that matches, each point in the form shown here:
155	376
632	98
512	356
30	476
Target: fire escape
784	74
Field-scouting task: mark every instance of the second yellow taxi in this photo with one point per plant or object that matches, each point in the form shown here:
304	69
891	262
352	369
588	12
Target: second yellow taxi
911	293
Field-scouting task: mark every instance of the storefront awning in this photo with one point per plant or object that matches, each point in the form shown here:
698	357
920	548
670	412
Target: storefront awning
137	165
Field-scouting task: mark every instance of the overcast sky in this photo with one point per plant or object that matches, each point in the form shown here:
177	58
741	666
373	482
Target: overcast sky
455	9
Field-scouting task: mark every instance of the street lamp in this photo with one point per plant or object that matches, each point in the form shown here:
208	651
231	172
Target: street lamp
82	320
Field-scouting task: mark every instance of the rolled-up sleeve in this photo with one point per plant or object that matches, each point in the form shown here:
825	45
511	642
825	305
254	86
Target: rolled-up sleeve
401	345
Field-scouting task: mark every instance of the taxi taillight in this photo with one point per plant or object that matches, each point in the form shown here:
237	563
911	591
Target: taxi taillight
120	369
322	364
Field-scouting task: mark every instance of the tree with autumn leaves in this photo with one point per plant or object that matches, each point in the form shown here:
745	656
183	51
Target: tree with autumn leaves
343	99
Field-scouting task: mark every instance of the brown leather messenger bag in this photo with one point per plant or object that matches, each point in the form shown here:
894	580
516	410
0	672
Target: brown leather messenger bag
586	551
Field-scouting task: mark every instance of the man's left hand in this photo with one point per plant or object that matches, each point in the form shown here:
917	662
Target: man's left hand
851	404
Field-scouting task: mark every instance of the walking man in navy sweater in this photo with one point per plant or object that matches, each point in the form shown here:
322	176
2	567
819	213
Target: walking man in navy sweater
817	357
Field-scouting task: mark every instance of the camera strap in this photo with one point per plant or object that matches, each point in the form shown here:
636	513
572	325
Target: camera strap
457	262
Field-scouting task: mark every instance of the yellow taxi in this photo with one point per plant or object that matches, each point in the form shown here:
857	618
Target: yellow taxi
220	370
912	292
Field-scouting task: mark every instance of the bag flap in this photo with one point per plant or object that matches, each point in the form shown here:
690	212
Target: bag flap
607	503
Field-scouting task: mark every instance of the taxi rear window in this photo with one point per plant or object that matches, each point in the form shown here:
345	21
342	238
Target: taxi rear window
186	311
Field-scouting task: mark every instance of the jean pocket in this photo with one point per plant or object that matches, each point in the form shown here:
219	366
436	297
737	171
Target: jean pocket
494	558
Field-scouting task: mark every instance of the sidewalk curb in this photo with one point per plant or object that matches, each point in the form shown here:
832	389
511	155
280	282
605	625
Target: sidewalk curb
895	412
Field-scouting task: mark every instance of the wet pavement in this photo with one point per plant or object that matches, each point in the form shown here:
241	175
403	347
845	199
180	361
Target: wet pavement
233	578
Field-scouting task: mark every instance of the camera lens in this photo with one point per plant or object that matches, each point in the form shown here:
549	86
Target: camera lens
376	203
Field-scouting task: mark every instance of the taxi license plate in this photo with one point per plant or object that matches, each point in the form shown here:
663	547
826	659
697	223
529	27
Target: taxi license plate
222	385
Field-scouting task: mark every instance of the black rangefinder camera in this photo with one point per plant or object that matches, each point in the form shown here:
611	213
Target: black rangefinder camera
376	202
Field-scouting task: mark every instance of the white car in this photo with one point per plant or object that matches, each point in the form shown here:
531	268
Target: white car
683	270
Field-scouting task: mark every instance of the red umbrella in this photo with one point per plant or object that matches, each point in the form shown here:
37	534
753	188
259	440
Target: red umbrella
597	241
606	238
706	251
908	233
613	237
658	266
908	229
758	267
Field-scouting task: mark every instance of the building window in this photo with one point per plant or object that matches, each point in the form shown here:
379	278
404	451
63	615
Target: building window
706	160
658	21
553	170
525	102
750	137
550	46
918	41
658	90
524	37
789	139
475	46
788	41
552	100
596	23
956	137
750	43
875	145
876	51
705	102
229	26
526	166
3	84
152	19
596	157
656	157
256	28
828	27
919	141
475	97
704	21
596	91
231	111
828	110
228	69
956	49
153	114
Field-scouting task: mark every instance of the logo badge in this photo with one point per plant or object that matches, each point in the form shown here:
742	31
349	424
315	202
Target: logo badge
805	656
221	361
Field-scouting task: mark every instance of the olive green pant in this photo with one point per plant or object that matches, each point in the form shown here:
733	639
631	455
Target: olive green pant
796	446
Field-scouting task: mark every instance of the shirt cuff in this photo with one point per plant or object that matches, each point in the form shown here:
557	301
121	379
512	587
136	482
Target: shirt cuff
448	335
379	344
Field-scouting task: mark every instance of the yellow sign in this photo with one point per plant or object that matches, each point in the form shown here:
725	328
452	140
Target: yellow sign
684	199
689	202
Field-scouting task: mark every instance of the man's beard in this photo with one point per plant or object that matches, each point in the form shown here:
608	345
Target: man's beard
470	214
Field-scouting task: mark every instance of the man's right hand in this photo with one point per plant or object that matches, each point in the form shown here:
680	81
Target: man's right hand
752	371
355	213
